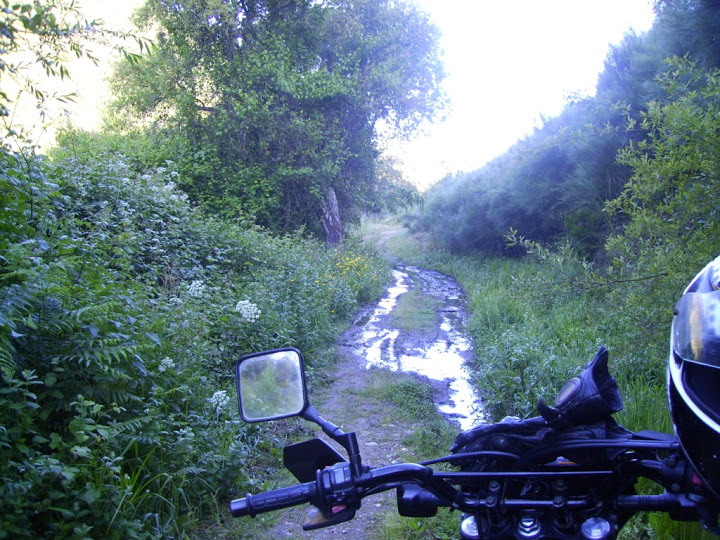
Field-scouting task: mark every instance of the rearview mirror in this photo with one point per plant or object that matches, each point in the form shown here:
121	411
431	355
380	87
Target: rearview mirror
271	385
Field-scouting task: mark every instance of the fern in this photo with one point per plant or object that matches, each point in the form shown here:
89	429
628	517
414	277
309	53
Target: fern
132	425
192	471
16	308
8	365
101	352
115	395
147	439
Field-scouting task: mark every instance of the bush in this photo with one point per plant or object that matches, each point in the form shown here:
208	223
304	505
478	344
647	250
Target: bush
122	312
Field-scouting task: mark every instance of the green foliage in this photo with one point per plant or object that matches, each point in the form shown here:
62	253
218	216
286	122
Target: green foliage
669	206
270	107
37	37
555	183
122	311
444	526
552	184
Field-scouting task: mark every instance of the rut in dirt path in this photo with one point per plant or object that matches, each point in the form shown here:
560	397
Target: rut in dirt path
442	357
373	345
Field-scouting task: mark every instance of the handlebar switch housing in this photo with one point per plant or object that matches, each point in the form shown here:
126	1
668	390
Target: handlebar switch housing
337	499
337	484
338	487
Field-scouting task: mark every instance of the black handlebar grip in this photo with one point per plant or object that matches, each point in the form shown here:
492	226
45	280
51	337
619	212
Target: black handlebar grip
276	499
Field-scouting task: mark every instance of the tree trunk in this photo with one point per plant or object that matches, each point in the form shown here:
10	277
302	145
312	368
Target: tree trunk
331	224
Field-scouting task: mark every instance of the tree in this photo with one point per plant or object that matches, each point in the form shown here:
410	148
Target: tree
690	27
671	200
271	107
42	34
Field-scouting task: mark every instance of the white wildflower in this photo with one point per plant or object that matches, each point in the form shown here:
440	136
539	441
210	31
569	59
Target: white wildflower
175	301
248	311
166	363
219	400
196	289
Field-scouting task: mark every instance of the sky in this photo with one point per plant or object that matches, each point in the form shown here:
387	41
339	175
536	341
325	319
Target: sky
508	64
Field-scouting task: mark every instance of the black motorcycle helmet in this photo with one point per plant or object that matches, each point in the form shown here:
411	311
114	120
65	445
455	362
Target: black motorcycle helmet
694	374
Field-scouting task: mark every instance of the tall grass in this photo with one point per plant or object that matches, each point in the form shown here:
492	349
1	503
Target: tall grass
530	335
527	341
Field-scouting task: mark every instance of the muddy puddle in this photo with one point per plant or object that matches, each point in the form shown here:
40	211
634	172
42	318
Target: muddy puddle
441	358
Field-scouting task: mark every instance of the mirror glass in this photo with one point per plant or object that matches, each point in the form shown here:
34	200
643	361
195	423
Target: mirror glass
271	385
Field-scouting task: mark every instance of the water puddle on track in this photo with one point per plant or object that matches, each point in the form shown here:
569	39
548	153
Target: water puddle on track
441	358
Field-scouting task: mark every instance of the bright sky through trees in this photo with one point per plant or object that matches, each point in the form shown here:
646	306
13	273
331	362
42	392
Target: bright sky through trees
508	63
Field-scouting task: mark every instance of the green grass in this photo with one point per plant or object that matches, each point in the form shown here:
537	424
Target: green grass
531	333
645	406
432	438
443	526
413	404
416	312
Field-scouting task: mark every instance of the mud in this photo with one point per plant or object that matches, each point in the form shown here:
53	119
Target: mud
372	344
441	359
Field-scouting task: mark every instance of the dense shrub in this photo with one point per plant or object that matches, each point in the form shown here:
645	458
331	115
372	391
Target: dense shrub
122	311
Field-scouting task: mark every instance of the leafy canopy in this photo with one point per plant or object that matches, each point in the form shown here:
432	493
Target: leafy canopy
271	108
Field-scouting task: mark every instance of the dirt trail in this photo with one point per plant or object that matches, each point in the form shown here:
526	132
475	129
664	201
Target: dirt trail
380	443
380	431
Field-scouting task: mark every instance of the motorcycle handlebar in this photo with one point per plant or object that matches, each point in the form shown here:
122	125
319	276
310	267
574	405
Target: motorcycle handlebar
331	482
334	481
251	505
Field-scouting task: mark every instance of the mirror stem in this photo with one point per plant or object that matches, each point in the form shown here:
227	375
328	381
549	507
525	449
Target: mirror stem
347	440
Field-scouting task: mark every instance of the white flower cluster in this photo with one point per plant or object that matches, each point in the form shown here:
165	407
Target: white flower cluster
248	311
166	363
124	210
196	289
219	400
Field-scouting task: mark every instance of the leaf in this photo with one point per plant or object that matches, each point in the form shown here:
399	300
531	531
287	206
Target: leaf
7	360
50	379
154	337
30	321
90	495
56	441
140	366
